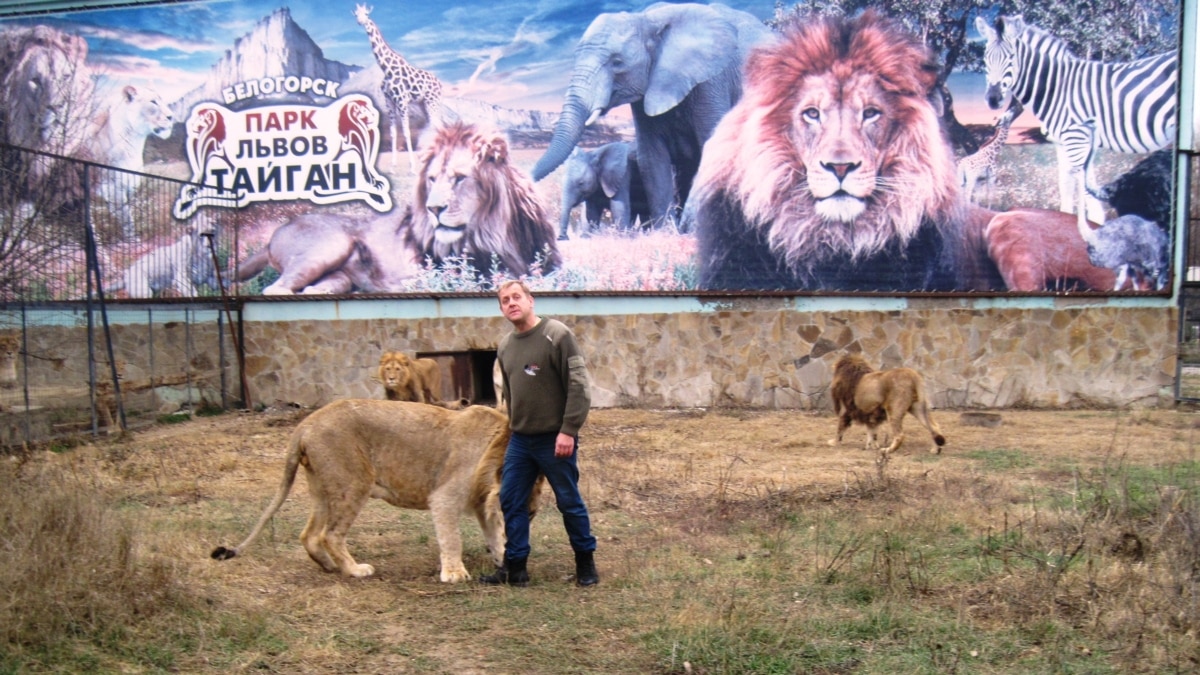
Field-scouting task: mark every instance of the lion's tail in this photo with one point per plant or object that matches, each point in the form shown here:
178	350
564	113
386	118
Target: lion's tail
487	473
923	401
254	264
295	455
485	484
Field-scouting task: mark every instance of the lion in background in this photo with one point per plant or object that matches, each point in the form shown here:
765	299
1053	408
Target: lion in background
831	172
10	349
410	455
407	379
872	397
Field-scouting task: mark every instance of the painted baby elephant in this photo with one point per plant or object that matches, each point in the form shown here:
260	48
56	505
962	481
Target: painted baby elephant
604	178
678	67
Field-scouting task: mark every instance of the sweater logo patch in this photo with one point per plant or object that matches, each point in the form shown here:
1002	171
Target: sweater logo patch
532	369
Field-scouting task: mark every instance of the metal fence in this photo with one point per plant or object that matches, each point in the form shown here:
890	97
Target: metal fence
56	211
1188	376
112	311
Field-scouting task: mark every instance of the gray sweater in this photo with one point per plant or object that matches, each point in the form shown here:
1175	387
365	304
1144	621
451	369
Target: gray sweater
545	379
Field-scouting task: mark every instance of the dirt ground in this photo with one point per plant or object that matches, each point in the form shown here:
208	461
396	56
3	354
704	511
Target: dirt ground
203	483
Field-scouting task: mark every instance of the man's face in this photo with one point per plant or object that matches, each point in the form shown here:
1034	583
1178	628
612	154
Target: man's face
516	305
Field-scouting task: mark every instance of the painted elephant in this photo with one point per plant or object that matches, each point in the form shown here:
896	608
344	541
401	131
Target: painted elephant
678	67
604	178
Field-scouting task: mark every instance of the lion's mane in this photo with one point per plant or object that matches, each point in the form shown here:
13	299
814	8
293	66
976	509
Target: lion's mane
847	373
871	397
756	218
511	223
46	87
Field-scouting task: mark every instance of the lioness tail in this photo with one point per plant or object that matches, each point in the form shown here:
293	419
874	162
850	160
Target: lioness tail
937	438
285	486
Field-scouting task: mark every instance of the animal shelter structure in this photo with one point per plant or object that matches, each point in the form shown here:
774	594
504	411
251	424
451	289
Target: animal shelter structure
260	241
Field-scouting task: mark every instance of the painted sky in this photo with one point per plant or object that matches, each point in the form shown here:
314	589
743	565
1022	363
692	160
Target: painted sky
515	54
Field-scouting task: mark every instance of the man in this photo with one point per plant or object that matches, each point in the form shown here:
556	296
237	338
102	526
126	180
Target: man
545	383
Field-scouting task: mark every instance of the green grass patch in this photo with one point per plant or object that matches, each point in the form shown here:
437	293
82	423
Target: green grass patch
1000	459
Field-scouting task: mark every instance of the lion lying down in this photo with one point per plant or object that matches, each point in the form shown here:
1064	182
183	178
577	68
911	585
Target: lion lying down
410	455
872	397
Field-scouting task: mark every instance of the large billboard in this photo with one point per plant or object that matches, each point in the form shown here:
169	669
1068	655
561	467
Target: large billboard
748	146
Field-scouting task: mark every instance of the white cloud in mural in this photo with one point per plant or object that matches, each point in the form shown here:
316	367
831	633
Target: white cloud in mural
146	41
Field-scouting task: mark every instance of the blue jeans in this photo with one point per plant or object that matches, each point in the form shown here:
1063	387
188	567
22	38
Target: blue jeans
526	457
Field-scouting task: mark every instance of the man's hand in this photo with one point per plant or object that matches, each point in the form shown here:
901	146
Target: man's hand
564	445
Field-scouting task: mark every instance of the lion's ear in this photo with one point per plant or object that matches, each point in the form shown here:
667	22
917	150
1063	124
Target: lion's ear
491	149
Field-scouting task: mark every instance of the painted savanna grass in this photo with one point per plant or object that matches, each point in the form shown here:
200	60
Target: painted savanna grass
730	541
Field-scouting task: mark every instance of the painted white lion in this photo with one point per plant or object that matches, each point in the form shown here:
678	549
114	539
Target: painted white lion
118	139
177	267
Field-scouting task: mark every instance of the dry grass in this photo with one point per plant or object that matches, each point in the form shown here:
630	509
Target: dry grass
730	541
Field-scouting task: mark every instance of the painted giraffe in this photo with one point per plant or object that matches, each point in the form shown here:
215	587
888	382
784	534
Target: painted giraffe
403	84
982	164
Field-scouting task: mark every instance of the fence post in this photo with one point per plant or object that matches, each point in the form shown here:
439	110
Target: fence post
225	302
93	263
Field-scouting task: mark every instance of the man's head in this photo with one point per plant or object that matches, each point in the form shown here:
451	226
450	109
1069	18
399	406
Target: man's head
516	303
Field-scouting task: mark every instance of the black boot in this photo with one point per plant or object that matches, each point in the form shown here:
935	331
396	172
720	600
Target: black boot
512	573
585	569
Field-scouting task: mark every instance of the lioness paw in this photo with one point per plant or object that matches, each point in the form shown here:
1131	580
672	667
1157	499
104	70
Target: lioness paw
455	576
362	570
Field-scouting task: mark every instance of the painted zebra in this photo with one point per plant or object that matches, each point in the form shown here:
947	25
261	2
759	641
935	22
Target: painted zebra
1082	105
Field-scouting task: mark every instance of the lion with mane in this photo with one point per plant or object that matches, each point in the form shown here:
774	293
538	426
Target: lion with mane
410	455
832	173
871	397
407	379
470	204
47	88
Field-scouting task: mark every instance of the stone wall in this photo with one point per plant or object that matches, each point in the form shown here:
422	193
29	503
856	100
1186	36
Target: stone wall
166	360
763	356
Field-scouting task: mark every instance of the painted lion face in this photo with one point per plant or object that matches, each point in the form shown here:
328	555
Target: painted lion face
472	203
46	87
839	129
453	193
149	114
835	148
